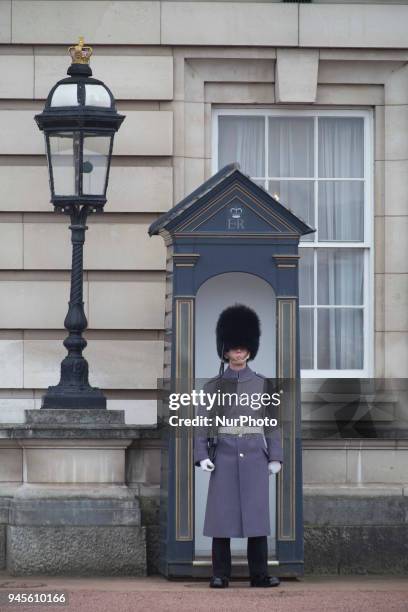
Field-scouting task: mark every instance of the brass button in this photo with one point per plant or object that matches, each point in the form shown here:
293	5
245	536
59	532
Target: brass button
241	454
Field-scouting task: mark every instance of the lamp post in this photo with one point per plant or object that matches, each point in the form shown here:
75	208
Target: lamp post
79	122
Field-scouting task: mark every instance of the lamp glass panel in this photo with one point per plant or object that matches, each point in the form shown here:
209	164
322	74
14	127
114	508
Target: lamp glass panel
64	153
95	163
97	95
65	95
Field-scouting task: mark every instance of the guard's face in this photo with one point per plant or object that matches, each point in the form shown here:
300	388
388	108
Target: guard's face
238	355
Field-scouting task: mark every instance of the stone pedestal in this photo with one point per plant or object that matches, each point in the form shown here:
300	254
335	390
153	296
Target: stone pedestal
65	529
72	513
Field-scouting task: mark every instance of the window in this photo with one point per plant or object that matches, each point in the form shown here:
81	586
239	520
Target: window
318	163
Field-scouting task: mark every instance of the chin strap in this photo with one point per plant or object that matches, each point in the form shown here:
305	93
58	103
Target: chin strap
221	370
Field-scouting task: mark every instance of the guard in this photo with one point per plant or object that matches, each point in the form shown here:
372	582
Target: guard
243	457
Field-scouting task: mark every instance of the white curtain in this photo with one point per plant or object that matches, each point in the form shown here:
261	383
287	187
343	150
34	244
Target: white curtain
340	339
306	298
341	147
341	210
340	272
306	277
340	276
291	147
291	154
298	196
242	139
306	325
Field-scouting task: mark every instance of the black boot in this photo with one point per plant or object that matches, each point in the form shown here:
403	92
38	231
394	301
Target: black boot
221	562
264	581
219	582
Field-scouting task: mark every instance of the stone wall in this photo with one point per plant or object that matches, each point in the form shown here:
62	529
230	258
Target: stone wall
143	479
356	531
355	506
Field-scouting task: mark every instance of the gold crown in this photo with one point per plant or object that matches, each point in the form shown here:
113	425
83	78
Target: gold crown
80	53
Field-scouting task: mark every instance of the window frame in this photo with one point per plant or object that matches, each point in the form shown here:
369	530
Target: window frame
367	245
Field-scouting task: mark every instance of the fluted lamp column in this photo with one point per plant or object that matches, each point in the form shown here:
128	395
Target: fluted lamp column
79	122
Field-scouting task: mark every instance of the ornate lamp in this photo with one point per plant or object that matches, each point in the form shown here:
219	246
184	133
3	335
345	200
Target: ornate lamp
79	122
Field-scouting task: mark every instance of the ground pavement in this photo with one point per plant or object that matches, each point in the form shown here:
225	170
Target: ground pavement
155	593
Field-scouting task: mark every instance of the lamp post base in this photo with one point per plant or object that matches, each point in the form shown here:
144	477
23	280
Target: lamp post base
73	418
59	397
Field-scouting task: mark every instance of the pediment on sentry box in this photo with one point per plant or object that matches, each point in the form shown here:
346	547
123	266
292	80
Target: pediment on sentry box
229	203
234	212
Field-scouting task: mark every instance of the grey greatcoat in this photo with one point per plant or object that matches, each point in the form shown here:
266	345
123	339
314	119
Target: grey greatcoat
238	491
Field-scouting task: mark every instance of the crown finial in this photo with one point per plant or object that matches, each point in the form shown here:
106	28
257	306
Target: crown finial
80	53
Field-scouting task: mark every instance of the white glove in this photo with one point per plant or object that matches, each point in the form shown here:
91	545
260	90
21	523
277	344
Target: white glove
207	465
274	467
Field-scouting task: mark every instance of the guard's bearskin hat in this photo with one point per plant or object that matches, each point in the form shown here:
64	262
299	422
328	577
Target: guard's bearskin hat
238	325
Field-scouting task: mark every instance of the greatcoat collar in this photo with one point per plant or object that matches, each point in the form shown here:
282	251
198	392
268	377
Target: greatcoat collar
239	375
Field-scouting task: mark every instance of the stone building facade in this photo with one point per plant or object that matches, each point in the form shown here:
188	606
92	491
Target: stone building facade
175	69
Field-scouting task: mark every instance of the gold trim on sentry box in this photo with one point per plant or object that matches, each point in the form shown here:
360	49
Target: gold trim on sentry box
205	563
186	533
235	234
282	303
286	261
235	187
185	260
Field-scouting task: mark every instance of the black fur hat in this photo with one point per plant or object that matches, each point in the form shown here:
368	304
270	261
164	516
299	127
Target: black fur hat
238	325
